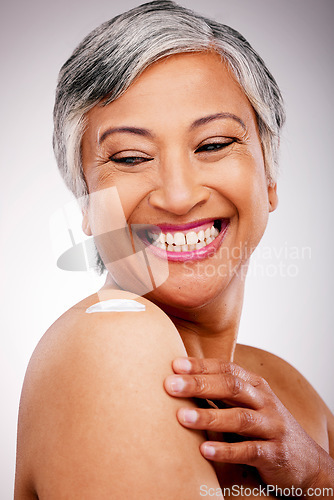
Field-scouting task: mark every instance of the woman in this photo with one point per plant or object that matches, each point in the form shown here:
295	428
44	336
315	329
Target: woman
168	123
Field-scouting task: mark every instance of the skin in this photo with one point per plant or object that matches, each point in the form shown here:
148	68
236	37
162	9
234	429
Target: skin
178	185
87	431
171	175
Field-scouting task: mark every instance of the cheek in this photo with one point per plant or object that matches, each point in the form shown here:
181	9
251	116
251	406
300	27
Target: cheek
121	193
253	214
252	198
132	191
249	193
105	211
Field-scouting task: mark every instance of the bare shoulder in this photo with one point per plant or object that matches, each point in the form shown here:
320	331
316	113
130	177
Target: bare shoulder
95	421
292	388
280	374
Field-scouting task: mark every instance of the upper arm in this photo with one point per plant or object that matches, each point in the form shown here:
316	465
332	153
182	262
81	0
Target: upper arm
95	419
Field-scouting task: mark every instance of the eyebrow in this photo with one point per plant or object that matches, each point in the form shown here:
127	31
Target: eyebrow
128	130
217	116
146	133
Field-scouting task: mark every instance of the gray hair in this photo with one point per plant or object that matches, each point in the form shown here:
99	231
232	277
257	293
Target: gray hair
109	59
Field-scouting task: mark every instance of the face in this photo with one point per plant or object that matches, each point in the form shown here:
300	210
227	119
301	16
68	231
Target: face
182	147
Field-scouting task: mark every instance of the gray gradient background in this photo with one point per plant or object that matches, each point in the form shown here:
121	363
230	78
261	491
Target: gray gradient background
290	316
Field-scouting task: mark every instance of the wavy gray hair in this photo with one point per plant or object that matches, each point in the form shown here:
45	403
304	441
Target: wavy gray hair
109	59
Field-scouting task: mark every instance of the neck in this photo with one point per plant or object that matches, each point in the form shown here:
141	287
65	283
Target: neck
211	330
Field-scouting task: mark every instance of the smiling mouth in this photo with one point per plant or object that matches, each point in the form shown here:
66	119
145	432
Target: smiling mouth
191	239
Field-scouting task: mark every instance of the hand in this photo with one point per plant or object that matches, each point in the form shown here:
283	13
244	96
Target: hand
283	453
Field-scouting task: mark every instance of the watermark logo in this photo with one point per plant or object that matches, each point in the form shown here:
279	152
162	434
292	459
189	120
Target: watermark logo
266	262
237	490
124	249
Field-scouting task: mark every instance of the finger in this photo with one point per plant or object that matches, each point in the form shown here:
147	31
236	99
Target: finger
254	453
228	388
207	366
242	421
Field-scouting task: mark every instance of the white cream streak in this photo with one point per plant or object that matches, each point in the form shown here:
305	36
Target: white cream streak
116	305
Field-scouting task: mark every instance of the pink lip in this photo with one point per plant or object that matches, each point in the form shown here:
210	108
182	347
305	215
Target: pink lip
200	254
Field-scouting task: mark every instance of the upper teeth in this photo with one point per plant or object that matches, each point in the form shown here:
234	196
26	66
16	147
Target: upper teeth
184	242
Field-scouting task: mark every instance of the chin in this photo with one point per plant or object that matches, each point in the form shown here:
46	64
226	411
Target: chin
187	294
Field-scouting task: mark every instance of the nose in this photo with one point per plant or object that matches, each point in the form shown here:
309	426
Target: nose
179	189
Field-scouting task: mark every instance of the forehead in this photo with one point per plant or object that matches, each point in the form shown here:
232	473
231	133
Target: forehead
181	87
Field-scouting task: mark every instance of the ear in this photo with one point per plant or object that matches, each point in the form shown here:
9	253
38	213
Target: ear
272	197
85	223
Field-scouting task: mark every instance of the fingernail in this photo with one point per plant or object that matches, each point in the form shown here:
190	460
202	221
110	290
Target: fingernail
182	364
175	384
188	416
208	450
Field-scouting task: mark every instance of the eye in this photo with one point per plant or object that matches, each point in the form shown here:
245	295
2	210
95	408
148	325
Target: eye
129	160
214	146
